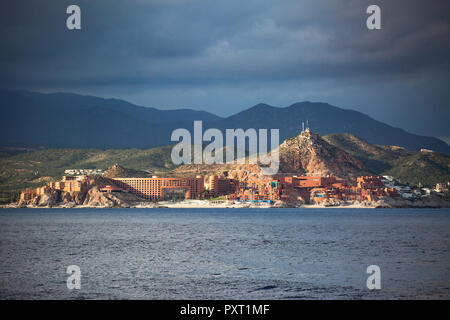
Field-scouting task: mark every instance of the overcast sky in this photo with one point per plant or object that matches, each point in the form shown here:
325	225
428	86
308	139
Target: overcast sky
226	56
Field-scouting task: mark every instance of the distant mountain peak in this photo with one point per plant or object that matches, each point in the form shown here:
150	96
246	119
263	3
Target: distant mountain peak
261	106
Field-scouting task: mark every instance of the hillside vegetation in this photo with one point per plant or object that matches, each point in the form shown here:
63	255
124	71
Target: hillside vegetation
427	168
36	168
23	168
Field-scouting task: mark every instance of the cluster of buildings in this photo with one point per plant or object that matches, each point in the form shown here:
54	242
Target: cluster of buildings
367	188
67	184
216	186
159	188
312	189
415	193
284	188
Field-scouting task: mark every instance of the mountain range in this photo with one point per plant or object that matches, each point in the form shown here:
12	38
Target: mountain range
67	120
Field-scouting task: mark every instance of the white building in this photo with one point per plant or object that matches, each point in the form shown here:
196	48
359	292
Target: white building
83	171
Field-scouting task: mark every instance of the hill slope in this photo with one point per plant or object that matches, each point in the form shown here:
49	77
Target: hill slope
422	167
35	168
427	168
343	155
309	154
305	154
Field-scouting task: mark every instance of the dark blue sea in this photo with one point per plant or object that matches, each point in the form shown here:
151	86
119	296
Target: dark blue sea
224	253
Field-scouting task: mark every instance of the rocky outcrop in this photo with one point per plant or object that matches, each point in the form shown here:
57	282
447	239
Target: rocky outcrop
332	203
91	197
117	171
306	154
48	199
242	172
309	154
96	198
432	201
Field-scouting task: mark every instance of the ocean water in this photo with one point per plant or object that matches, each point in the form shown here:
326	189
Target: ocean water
224	253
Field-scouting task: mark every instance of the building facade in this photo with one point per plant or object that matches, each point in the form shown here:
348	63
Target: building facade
157	188
218	186
70	184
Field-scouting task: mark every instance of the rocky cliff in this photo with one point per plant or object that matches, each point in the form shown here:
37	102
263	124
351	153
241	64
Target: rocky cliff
92	196
309	154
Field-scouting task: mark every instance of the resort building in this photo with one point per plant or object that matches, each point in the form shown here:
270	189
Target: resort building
157	188
67	184
369	182
261	190
70	183
312	182
285	188
110	189
27	195
218	186
368	188
313	189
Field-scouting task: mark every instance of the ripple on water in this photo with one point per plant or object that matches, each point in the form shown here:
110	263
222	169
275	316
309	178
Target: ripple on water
237	254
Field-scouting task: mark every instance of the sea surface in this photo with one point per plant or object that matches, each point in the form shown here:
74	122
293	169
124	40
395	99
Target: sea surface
224	253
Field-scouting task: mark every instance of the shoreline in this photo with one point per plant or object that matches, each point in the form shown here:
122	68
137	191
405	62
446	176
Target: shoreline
205	204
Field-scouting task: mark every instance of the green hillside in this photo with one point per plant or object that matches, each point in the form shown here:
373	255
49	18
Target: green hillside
427	168
23	168
36	168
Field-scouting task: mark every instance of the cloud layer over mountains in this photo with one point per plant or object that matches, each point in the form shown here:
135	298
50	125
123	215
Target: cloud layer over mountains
223	56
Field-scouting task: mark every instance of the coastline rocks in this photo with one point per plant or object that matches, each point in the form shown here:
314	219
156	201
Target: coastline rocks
92	197
280	204
48	199
428	202
333	203
44	200
66	197
96	198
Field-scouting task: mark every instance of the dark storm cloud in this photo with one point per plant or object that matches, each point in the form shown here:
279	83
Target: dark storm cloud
232	54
